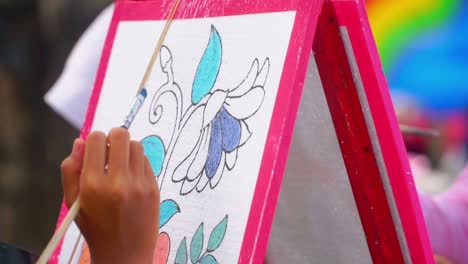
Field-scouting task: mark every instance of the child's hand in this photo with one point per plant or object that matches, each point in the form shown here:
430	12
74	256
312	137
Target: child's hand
119	215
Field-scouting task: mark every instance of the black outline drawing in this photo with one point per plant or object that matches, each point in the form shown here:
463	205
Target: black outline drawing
193	178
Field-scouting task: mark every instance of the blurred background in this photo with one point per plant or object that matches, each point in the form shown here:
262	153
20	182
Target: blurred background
423	47
36	37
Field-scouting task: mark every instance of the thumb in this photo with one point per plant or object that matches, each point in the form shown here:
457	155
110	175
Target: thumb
71	170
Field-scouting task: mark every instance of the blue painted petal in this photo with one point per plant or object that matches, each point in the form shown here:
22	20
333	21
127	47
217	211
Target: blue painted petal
208	68
215	148
231	130
167	209
154	151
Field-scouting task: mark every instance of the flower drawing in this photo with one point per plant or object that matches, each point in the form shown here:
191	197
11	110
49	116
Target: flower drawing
197	142
223	132
206	135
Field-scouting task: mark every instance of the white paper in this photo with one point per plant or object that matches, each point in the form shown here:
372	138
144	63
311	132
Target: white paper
250	43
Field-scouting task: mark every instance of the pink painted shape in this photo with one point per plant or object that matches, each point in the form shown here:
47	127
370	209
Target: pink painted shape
163	246
290	90
352	13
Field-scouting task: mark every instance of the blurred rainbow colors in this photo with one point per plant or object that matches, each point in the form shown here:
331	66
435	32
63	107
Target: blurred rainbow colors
423	45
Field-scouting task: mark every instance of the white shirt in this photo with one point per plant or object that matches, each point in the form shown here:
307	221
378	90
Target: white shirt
70	94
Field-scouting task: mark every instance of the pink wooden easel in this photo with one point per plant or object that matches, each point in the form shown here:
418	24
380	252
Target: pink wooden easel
362	124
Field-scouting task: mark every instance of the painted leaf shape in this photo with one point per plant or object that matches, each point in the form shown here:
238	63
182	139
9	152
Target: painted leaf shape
168	209
163	246
217	235
196	245
208	259
208	69
154	151
181	255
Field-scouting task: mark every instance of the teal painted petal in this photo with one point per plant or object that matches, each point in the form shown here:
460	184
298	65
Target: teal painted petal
217	235
154	151
208	68
181	256
167	210
208	259
196	245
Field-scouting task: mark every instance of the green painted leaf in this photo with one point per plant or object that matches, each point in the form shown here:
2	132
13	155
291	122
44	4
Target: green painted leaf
196	245
208	259
217	235
181	256
167	210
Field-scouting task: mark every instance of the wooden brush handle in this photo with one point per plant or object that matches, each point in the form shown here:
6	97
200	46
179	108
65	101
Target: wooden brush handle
55	240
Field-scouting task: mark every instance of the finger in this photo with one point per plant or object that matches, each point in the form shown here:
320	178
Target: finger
149	174
119	147
71	170
137	161
94	158
151	181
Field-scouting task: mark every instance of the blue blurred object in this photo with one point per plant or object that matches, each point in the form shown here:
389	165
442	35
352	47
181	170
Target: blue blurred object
434	69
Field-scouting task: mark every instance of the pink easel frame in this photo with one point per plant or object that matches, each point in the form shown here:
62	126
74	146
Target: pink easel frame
374	149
